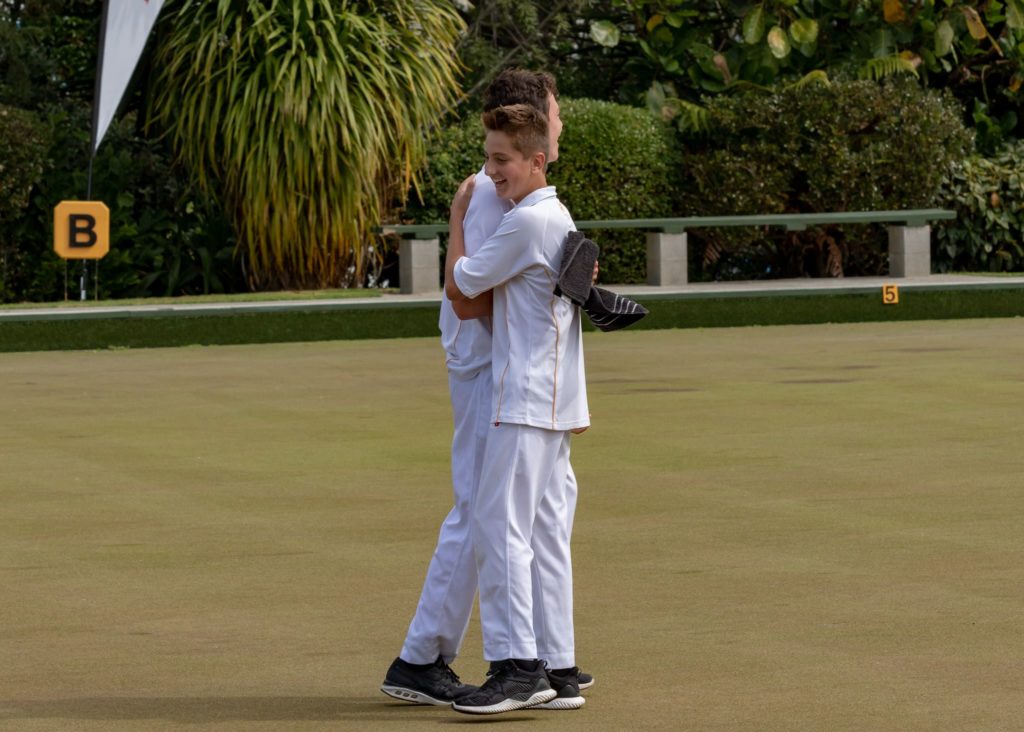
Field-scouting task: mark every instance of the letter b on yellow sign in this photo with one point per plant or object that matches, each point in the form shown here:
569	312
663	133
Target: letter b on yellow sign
81	229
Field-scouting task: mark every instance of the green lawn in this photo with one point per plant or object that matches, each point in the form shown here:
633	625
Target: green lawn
788	528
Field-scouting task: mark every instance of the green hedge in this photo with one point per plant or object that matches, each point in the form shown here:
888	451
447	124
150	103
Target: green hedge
988	195
615	162
846	146
455	152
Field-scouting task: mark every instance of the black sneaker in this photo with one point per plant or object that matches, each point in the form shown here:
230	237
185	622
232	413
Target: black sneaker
433	683
585	679
565	682
511	685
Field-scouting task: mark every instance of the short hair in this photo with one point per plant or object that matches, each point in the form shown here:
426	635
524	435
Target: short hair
519	86
523	123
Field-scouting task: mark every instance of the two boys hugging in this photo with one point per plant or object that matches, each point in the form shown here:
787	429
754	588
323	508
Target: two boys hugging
520	528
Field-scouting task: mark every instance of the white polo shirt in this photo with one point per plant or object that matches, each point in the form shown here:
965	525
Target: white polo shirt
467	343
537	358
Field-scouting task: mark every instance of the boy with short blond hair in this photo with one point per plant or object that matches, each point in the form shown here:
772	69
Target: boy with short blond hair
520	535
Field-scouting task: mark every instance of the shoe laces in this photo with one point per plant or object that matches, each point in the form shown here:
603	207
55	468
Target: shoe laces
501	669
504	667
448	672
498	668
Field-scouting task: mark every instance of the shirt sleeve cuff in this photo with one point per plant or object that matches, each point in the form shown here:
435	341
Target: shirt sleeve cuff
460	280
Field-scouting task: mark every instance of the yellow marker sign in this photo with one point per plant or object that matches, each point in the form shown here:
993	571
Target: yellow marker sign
81	229
890	294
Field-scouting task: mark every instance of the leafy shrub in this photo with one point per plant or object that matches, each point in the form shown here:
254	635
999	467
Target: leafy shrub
23	147
24	151
165	238
453	153
614	162
304	139
988	195
847	146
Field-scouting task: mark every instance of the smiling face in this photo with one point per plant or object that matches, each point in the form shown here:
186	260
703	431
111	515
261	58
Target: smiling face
515	175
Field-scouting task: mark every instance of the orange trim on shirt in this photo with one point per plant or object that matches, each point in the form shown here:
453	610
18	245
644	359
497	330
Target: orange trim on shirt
501	381
554	380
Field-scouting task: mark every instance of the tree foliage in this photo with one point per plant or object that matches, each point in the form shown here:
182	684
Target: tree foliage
685	49
167	238
23	146
553	35
304	116
48	51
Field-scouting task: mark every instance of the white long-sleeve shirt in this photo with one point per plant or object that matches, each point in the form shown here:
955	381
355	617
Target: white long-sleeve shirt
537	347
467	343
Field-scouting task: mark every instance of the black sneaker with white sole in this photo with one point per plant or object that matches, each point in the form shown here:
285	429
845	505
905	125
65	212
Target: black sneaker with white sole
583	679
433	683
565	682
511	684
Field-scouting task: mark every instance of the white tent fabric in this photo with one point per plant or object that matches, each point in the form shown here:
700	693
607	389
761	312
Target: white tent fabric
127	26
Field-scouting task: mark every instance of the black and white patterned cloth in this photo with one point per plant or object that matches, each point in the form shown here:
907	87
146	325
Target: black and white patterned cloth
606	310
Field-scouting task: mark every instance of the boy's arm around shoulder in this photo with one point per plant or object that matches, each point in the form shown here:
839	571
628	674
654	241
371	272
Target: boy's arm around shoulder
465	308
456	240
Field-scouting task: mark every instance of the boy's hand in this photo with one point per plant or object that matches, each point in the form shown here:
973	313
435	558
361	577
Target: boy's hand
460	204
597	270
481	306
456	237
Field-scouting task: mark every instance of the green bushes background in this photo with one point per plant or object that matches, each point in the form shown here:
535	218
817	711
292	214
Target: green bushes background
849	145
166	238
615	162
767	142
988	195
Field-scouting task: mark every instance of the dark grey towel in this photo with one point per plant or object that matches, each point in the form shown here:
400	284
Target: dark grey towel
576	271
605	309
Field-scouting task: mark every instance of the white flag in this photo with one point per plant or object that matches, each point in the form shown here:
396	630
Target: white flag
127	24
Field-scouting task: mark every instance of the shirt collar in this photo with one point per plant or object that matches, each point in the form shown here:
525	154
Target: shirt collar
537	196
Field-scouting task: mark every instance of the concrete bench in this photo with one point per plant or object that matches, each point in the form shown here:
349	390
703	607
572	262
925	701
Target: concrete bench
909	241
419	256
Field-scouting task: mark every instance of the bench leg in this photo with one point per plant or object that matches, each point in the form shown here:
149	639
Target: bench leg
419	266
666	259
910	251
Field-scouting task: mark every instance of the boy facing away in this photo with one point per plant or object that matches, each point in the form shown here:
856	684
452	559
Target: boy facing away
519	527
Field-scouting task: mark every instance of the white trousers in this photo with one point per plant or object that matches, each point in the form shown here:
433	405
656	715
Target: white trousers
522	523
445	604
